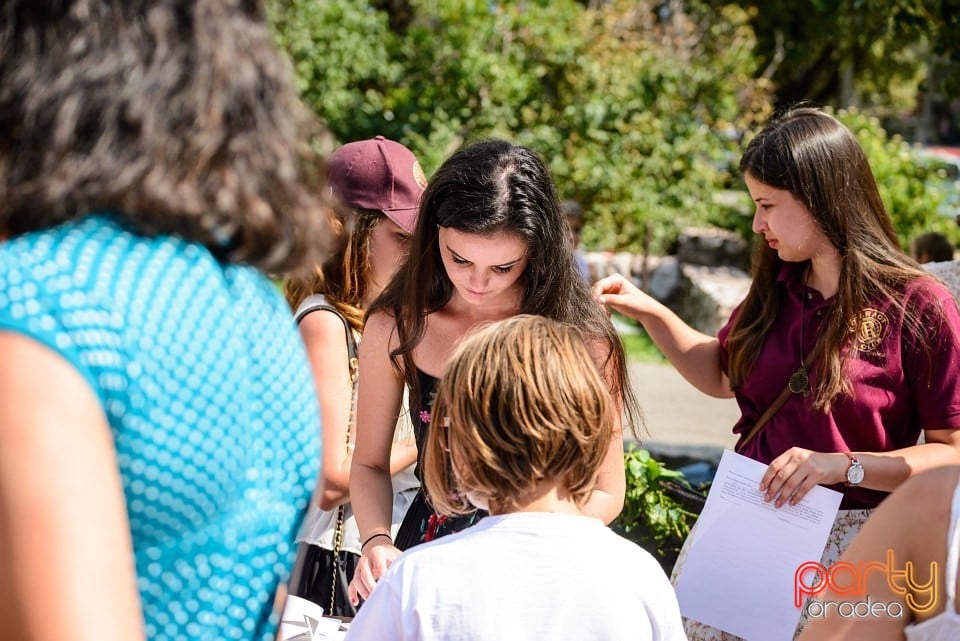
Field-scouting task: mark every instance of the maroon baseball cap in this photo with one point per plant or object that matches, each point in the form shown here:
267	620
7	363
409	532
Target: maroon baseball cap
378	174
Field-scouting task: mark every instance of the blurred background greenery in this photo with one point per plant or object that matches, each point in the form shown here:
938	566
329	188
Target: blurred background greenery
640	107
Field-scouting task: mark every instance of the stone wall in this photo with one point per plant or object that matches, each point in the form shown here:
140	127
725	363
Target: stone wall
702	283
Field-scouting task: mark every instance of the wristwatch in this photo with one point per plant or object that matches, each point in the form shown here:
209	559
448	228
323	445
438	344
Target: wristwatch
855	471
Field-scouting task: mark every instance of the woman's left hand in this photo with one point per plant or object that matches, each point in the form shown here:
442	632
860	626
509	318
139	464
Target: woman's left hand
795	472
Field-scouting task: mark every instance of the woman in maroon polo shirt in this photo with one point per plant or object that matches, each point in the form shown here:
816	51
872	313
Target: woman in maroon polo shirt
829	274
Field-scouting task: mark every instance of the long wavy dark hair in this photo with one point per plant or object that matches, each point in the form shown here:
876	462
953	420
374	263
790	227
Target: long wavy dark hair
819	161
178	115
488	187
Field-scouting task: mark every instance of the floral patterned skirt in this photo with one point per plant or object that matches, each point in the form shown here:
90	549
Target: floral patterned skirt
847	524
421	523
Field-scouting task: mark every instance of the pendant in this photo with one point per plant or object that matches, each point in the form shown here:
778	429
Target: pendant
799	382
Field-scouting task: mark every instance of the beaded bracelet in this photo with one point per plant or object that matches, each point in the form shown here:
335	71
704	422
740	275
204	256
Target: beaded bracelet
372	537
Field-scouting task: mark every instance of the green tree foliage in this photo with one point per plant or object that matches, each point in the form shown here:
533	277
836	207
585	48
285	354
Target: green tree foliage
912	189
640	115
477	69
344	58
654	119
637	118
873	53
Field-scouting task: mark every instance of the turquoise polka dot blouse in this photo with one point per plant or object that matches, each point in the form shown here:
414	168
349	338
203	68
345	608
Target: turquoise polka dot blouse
205	384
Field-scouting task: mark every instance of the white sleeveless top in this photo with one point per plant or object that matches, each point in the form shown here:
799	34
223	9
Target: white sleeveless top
946	625
318	526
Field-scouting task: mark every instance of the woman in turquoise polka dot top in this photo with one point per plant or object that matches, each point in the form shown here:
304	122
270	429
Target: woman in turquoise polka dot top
158	424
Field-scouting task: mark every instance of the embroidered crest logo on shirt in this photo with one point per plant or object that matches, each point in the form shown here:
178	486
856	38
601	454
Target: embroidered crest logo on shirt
871	326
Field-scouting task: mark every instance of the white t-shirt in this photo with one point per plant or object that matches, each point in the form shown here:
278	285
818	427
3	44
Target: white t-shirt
529	575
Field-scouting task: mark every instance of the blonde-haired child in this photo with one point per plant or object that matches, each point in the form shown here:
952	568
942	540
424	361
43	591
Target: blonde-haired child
524	423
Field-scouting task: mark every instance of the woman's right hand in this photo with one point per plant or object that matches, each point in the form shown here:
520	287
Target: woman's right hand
374	561
619	294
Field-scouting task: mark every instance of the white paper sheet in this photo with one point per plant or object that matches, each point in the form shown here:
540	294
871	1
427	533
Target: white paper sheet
741	565
303	620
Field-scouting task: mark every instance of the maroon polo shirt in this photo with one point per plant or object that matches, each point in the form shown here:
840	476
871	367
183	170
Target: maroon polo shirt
899	388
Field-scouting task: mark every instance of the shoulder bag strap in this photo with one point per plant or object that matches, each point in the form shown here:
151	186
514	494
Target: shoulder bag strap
353	365
777	403
351	342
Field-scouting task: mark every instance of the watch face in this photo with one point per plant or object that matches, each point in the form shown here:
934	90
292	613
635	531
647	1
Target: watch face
855	474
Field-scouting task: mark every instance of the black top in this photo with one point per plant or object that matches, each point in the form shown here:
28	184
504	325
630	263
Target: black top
421	523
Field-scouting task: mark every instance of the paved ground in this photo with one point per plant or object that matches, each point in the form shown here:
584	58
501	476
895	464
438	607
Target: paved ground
677	415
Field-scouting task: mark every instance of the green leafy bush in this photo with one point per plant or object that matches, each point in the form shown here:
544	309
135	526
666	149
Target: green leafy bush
908	184
652	517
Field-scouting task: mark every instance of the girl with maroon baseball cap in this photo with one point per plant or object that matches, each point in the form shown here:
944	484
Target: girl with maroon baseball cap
380	182
378	174
490	243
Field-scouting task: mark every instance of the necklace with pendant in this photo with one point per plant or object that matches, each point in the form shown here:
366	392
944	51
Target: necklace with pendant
799	381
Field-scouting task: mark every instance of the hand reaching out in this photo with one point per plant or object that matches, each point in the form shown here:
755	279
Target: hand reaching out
619	294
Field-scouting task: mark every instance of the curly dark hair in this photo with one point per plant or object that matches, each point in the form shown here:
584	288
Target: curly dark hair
178	115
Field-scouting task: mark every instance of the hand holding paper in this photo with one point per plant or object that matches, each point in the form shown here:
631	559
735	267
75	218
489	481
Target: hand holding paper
741	564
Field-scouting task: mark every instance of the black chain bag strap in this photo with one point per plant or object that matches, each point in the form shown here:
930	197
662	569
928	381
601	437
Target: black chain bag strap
353	363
